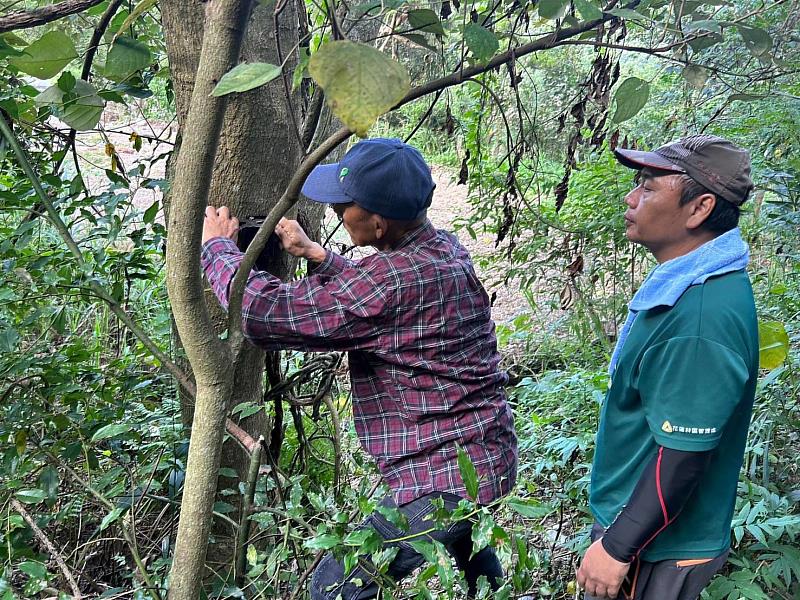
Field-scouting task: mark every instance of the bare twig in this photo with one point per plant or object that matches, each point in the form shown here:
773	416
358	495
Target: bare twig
244	525
76	592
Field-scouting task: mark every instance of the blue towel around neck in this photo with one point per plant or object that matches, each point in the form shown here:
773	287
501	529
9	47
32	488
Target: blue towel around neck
667	282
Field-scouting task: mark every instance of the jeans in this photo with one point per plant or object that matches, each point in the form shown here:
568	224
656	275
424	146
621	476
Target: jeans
329	581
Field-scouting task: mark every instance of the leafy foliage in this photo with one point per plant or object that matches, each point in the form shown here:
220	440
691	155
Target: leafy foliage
95	445
360	82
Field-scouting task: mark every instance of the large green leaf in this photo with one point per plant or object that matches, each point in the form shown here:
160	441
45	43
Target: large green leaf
758	41
480	41
424	19
112	430
773	344
553	9
111	517
529	507
33	496
8	338
47	56
246	76
420	40
326	541
587	10
708	40
49	482
360	82
81	109
631	96
126	57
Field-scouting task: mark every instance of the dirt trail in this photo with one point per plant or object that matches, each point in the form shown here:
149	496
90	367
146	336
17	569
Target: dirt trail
449	204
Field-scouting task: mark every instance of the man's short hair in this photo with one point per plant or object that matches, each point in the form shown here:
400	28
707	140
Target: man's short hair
724	216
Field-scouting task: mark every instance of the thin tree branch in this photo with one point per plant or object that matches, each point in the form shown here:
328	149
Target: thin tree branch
24	19
97	35
76	592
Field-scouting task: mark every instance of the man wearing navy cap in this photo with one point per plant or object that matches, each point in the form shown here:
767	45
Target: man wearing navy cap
423	356
674	423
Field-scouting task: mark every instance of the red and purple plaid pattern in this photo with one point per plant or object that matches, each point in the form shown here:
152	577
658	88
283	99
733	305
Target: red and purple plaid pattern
422	353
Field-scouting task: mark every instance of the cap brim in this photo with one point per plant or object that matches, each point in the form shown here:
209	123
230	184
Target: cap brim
322	185
635	159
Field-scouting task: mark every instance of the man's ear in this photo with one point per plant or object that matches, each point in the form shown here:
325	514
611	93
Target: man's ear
701	208
380	225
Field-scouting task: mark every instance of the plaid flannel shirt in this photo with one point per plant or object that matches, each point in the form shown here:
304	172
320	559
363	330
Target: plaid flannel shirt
422	354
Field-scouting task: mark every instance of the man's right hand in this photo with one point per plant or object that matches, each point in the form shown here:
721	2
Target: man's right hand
295	241
600	574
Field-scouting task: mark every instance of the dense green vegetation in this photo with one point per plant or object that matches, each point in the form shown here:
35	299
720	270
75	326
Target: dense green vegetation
95	442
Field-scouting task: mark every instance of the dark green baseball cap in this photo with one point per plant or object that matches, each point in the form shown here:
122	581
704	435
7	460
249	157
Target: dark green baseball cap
714	162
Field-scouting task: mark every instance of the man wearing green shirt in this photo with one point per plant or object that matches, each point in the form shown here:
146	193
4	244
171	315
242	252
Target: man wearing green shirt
683	376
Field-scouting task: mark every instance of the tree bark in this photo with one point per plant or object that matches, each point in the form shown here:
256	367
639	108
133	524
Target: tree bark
258	152
225	24
24	19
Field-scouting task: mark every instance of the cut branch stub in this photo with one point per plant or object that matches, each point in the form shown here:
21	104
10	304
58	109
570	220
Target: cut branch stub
360	82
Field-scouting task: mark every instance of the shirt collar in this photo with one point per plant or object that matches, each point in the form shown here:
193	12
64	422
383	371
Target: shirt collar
419	235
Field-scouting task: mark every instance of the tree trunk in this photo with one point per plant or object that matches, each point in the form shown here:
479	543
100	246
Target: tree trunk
258	152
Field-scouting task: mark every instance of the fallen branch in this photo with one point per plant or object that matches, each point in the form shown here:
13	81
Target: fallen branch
76	592
24	19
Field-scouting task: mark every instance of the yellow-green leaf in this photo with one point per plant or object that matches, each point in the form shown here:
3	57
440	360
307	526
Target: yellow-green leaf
21	441
773	344
360	82
45	57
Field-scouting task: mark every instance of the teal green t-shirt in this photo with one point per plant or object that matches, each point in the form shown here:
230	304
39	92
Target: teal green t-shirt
685	380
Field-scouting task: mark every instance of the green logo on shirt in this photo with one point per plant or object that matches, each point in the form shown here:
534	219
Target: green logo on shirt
668	427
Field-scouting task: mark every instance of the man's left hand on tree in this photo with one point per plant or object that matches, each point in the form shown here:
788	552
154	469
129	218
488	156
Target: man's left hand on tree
219	223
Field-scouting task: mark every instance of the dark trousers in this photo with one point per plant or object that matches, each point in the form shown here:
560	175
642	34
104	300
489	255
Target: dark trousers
665	579
329	581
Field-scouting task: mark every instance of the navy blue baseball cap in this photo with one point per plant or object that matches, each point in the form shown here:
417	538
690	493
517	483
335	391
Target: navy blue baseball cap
382	175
